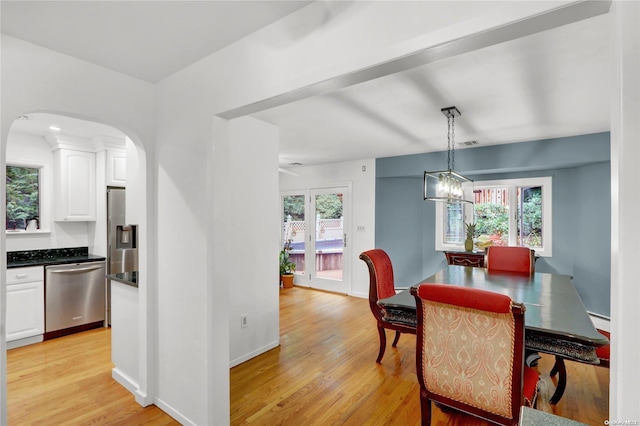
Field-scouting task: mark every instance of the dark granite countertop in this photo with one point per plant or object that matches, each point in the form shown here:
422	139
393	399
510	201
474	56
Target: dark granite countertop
128	278
46	257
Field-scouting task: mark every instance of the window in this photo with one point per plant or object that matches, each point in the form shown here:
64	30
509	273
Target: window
23	197
493	203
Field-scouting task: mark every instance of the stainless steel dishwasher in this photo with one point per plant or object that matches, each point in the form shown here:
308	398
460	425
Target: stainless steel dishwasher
74	297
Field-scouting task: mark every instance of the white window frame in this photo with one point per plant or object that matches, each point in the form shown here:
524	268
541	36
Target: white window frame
545	182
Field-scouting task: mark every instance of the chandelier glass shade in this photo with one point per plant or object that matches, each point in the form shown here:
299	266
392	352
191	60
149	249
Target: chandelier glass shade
446	185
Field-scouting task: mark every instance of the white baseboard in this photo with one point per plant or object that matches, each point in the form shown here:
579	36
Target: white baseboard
127	382
183	420
143	398
360	295
24	342
255	353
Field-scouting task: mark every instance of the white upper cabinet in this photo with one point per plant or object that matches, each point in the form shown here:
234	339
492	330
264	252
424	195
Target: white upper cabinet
75	185
83	168
116	168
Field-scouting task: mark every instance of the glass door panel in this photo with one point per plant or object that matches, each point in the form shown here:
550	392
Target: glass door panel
293	229
328	240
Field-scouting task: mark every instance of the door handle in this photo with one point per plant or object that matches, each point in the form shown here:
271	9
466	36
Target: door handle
62	271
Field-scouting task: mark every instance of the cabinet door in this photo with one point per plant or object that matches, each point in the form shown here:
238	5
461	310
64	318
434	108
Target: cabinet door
25	310
116	168
76	185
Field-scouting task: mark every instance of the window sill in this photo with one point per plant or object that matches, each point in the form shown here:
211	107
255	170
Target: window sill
19	232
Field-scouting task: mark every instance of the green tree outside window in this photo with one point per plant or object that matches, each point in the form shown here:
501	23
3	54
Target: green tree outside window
23	196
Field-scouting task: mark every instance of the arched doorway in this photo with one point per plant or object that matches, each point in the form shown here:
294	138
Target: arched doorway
30	141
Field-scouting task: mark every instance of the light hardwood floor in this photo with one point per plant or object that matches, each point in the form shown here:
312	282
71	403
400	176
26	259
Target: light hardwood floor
323	373
67	381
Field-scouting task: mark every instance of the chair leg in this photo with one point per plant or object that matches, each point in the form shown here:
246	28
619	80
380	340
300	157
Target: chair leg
425	410
562	380
395	340
383	343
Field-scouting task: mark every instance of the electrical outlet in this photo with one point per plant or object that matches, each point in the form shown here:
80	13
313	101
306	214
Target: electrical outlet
243	321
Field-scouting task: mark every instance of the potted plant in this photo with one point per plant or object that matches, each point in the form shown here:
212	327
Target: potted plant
287	266
471	233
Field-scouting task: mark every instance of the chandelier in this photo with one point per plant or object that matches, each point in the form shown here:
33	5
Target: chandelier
446	185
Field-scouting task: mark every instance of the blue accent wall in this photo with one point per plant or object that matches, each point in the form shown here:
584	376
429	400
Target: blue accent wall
580	168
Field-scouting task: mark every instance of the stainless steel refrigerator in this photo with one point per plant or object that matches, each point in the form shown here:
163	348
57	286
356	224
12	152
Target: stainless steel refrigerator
121	239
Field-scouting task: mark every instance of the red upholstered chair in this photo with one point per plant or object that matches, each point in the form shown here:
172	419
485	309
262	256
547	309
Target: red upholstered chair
510	259
470	353
381	286
604	352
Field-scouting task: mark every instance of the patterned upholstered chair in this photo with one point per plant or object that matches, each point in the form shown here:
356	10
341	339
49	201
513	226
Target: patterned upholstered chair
381	285
510	259
469	354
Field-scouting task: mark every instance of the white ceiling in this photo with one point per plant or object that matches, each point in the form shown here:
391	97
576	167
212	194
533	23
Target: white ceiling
149	40
550	84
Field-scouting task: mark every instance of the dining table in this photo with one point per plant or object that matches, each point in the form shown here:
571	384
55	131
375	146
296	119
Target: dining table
556	321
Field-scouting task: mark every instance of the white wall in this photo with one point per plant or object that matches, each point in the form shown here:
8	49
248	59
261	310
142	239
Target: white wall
362	207
625	251
254	244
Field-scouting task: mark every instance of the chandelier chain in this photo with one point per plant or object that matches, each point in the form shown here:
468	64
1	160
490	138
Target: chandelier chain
450	140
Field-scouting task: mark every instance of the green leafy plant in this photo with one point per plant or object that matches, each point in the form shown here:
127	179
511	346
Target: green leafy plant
286	265
471	230
492	219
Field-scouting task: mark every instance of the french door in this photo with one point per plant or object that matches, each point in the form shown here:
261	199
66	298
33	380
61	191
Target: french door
315	226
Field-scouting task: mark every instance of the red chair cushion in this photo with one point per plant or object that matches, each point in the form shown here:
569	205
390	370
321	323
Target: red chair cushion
467	297
510	259
530	385
604	352
383	270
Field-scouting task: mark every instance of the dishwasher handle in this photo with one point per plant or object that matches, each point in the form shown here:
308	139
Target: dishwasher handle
86	269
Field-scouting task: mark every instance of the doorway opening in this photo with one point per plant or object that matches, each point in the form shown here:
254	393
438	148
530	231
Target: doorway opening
314	226
30	141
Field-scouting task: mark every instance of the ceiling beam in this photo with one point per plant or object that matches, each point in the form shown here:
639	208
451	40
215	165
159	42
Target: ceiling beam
564	15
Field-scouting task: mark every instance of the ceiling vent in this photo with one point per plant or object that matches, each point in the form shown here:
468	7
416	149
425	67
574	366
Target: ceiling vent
468	143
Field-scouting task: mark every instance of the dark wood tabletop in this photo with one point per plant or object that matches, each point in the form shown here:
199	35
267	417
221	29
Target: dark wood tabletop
553	307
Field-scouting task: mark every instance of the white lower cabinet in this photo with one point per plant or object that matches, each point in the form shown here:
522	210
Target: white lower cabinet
25	303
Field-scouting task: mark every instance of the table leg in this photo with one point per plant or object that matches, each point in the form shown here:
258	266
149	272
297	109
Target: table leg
559	368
